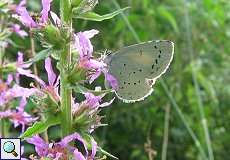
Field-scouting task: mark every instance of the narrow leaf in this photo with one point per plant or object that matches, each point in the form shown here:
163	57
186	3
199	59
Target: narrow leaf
39	127
96	17
40	56
106	153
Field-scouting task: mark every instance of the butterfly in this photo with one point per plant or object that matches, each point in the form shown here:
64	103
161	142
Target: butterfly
138	66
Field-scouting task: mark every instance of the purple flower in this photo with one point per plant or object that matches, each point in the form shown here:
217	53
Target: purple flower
41	147
45	10
92	102
111	79
17	29
60	150
7	93
27	20
53	81
78	155
19	116
86	61
21	65
83	44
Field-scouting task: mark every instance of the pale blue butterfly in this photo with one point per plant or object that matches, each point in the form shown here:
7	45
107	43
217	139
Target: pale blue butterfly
138	66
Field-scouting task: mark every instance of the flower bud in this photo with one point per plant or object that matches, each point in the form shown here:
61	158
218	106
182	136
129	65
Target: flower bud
52	35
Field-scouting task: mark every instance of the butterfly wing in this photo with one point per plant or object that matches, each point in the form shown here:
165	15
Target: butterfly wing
137	67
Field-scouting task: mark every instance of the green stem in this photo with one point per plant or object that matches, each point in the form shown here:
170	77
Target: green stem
196	85
32	53
66	93
2	128
166	133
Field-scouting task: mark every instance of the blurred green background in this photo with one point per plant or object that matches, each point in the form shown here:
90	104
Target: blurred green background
188	115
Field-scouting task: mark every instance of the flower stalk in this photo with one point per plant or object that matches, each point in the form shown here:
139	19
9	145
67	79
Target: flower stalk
66	93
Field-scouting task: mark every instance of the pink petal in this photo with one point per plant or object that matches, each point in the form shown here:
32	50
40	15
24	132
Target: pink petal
94	148
51	75
91	33
9	79
22	33
112	80
22	104
78	155
17	29
41	146
75	136
45	10
20	58
28	74
107	103
25	17
55	18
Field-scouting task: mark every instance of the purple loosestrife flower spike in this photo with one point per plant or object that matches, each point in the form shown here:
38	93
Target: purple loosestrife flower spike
62	148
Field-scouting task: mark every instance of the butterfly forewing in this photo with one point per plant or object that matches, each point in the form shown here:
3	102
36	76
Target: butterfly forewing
133	65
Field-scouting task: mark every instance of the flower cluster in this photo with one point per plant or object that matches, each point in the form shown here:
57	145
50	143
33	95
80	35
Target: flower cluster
96	67
60	150
14	98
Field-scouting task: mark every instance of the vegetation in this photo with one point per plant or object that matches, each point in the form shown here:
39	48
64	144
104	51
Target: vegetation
187	116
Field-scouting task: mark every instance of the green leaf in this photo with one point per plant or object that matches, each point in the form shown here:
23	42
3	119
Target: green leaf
65	10
39	56
96	17
106	153
39	127
169	17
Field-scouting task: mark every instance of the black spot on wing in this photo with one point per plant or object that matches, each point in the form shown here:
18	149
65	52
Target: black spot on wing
152	66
